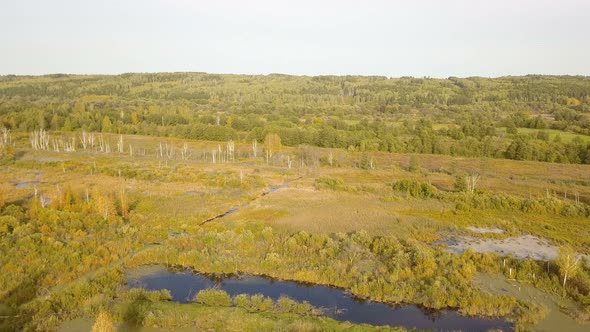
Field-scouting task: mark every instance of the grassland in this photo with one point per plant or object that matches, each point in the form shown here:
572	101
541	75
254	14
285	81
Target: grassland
552	134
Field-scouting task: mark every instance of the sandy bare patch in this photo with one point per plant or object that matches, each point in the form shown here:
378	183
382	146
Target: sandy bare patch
483	230
526	246
522	247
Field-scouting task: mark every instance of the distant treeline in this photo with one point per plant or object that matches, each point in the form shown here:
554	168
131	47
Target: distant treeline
456	116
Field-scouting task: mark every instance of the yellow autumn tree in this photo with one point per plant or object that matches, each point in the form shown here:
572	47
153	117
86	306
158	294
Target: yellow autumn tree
272	144
102	204
568	263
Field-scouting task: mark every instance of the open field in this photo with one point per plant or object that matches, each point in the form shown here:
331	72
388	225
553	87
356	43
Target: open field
553	133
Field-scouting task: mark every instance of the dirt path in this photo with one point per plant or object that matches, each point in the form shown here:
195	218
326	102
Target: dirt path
236	208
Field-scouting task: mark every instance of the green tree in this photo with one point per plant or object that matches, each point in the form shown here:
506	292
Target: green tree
460	183
55	122
511	128
67	125
107	125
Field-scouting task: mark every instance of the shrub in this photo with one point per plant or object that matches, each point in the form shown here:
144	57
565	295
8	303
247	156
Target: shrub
414	188
303	308
242	301
260	303
460	183
213	297
329	183
286	304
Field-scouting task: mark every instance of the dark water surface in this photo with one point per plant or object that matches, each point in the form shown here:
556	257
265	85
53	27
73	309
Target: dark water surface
184	285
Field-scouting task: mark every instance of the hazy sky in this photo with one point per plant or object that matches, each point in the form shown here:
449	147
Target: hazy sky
394	38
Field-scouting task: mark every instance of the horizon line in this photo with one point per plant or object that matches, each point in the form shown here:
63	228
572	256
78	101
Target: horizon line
293	75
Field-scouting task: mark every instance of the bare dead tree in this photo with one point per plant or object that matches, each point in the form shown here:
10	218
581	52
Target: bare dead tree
84	139
255	148
43	200
55	144
120	146
169	149
165	151
39	139
91	140
69	146
472	180
230	146
184	153
101	143
6	139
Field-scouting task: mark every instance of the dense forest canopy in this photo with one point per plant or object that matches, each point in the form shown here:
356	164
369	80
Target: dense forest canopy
545	118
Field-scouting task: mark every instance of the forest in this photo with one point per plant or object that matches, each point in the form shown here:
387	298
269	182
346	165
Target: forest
541	118
468	196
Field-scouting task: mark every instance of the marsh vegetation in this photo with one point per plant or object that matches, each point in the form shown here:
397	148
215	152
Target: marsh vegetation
349	183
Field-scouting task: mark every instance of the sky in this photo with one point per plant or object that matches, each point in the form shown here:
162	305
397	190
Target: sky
435	38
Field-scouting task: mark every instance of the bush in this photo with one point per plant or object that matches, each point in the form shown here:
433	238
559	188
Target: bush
253	303
213	297
286	304
242	301
460	183
303	308
260	303
329	183
414	188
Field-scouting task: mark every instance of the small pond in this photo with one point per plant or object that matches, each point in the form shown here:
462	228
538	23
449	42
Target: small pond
339	305
25	184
